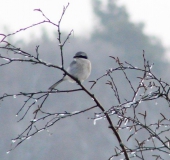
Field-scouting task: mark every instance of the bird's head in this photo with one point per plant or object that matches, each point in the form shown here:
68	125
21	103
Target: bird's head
81	55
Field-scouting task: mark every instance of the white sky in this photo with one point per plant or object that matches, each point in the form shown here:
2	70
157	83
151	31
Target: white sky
16	14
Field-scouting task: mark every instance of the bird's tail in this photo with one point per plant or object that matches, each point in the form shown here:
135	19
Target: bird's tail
55	84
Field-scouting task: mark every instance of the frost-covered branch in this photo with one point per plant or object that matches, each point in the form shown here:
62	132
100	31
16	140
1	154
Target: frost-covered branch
125	115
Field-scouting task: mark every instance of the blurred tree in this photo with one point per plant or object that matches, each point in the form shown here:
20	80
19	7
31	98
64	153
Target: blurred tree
116	28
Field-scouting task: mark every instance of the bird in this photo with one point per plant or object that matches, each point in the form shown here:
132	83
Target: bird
80	68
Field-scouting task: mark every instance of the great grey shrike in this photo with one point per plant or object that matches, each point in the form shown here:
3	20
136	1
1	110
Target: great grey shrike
80	68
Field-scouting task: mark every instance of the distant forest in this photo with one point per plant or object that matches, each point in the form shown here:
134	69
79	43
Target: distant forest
76	137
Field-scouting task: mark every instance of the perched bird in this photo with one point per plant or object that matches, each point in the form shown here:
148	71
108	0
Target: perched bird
80	68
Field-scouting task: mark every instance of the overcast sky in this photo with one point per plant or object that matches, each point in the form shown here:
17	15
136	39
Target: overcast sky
16	14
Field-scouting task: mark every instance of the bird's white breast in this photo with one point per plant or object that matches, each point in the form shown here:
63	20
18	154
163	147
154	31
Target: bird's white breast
80	69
